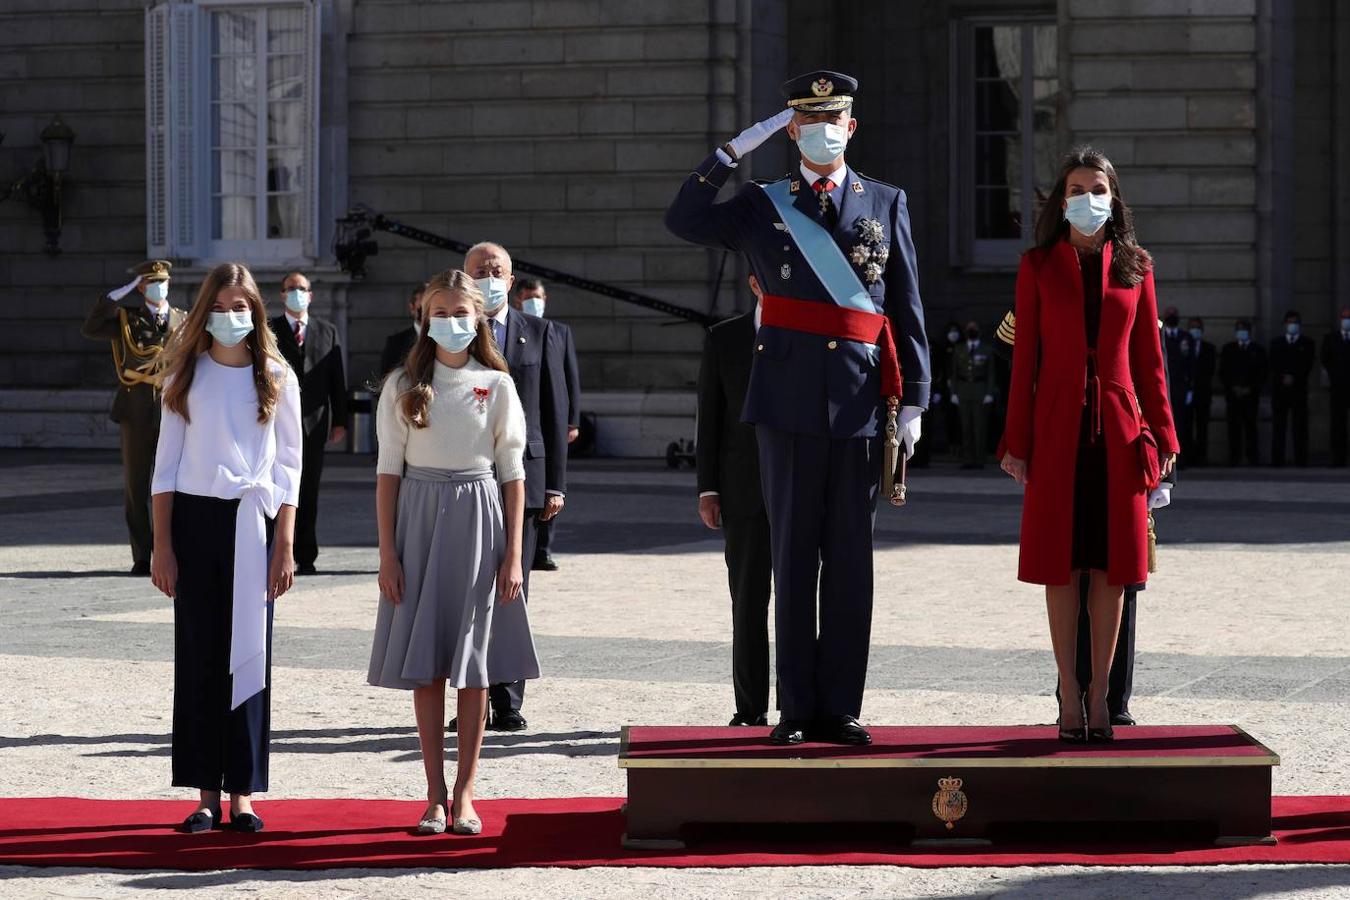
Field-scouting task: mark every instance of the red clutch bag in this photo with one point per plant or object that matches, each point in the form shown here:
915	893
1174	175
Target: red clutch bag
1149	462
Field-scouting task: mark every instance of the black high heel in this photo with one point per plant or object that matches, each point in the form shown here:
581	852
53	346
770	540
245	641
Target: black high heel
1102	735
1077	735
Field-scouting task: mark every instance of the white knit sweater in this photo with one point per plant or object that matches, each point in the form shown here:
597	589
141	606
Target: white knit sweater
467	428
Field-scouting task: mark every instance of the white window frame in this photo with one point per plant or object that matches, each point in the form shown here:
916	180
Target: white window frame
965	248
178	139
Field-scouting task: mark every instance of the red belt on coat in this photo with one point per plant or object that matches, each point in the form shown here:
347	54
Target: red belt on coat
830	320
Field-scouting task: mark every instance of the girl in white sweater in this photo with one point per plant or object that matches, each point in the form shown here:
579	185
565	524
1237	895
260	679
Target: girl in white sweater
227	476
449	557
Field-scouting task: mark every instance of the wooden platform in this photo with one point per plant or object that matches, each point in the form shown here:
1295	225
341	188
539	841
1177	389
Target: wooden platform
950	784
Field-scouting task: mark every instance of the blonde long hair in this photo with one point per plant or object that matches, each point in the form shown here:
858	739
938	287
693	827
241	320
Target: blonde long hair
191	340
421	363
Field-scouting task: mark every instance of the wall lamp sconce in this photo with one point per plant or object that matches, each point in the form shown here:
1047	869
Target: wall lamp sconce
41	188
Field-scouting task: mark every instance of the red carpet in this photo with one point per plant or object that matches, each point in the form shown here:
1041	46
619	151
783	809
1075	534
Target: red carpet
573	833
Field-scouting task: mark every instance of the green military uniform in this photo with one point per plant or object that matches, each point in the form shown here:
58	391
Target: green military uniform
970	382
137	336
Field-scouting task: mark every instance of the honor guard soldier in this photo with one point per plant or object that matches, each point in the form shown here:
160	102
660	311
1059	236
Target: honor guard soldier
840	320
137	319
972	388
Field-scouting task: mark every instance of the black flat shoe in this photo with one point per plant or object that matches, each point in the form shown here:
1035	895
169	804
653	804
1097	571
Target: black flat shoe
543	562
788	731
509	720
740	721
140	570
306	569
246	823
201	821
841	730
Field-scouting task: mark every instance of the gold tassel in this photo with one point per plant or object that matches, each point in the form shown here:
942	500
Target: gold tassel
1152	546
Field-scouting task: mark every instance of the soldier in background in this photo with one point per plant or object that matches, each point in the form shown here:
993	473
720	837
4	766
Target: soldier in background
1195	439
397	345
971	384
1336	361
1242	372
1291	362
138	321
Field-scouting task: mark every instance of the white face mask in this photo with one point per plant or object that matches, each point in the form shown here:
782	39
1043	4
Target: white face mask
533	306
156	292
822	142
494	292
297	300
1087	213
229	328
454	333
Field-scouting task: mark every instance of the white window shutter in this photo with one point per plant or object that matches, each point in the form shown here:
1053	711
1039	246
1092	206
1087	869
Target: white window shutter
182	128
156	133
310	202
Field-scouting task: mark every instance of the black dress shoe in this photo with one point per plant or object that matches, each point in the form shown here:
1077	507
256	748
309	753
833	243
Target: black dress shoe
200	822
1123	718
507	720
306	569
788	731
740	721
246	823
841	730
543	562
140	570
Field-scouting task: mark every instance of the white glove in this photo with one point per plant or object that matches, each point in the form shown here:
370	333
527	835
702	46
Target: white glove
125	289
988	399
956	401
935	399
1189	396
909	424
1160	497
757	134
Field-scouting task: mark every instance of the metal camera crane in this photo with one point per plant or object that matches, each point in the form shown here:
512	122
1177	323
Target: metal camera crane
353	243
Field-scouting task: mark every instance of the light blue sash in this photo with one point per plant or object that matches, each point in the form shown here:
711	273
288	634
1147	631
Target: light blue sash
822	253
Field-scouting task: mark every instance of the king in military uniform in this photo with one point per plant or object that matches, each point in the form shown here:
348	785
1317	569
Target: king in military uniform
138	320
839	322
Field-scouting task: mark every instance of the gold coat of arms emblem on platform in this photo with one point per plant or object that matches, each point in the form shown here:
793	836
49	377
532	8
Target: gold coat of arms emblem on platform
949	803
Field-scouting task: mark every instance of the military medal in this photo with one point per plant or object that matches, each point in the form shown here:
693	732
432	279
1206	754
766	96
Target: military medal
785	271
870	231
481	394
871	254
860	254
871	273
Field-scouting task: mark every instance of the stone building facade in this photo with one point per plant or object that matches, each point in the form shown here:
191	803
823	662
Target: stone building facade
561	128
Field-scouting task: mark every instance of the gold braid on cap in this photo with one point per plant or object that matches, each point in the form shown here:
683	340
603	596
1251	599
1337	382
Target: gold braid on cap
1007	329
838	100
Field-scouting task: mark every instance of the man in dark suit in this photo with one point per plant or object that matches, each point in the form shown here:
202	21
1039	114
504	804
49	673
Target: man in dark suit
533	355
311	346
1336	361
530	298
397	345
1195	440
138	321
841	321
1177	356
1242	372
1291	362
729	498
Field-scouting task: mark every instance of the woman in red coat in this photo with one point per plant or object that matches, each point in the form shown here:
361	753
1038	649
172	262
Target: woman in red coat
1087	382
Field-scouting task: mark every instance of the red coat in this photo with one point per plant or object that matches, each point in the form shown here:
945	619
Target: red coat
1045	407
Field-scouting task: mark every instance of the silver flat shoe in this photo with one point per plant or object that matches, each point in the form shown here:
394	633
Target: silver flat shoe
431	826
468	826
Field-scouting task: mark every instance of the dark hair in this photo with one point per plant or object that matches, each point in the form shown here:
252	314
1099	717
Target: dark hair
1129	262
527	284
417	292
1196	320
1242	323
1292	314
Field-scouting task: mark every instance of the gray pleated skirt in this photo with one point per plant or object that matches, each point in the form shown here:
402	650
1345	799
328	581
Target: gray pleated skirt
450	539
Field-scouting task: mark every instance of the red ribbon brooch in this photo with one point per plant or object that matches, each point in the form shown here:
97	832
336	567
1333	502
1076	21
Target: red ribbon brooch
481	394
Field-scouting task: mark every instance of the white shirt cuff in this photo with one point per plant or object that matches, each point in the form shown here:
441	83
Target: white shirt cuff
703	494
724	159
555	493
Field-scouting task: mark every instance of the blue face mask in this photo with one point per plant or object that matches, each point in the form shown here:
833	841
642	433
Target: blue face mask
157	291
1243	335
1197	333
229	328
494	293
297	300
533	306
822	142
1291	328
1345	324
454	333
1087	213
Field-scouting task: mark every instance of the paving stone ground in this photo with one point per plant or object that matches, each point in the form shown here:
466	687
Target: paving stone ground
1245	622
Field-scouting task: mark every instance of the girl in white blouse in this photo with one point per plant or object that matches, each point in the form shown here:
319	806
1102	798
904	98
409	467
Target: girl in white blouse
227	476
450	567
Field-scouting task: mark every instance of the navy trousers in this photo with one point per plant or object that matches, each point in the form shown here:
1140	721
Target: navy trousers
820	494
511	696
214	748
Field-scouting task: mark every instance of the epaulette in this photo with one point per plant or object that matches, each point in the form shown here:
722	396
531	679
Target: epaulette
875	180
1007	329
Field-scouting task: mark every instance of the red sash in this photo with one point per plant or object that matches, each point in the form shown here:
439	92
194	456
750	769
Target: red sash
830	320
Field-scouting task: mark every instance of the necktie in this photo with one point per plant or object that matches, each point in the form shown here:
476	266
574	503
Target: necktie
299	334
497	334
822	187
